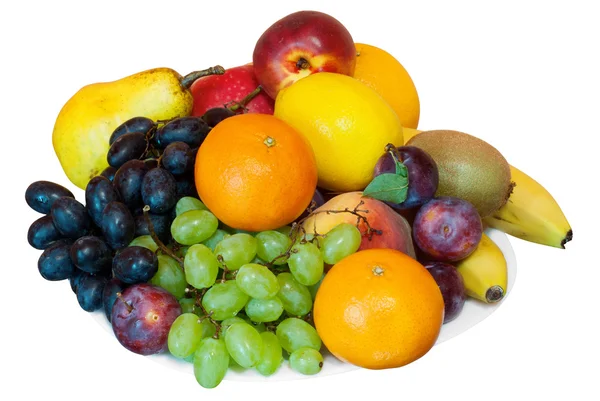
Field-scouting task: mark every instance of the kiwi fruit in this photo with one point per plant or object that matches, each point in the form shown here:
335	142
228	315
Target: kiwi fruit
469	168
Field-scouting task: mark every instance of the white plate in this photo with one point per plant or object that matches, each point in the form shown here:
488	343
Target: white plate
473	312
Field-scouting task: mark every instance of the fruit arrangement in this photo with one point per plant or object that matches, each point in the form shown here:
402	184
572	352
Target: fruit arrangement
272	212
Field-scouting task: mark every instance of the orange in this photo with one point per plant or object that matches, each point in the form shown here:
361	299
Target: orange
255	172
378	309
379	70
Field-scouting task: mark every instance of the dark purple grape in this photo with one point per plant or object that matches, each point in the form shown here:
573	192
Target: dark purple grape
127	147
191	130
70	217
160	222
42	194
91	254
136	124
109	173
128	182
186	186
452	287
316	201
447	229
423	174
76	278
135	264
178	158
142	318
109	295
118	225
159	190
217	114
89	292
42	233
55	263
99	192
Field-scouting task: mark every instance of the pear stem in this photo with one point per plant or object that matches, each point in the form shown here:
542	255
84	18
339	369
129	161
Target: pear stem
190	78
242	103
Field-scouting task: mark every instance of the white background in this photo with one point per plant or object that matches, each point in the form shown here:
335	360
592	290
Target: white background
522	75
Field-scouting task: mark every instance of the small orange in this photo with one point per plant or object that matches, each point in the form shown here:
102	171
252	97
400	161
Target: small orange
380	71
255	172
378	309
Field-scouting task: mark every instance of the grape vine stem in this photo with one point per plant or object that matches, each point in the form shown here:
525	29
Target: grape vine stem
157	240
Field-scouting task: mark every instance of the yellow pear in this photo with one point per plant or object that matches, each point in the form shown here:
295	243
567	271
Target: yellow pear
86	122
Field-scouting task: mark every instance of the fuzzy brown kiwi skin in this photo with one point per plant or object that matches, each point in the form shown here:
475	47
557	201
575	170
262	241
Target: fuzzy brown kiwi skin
469	168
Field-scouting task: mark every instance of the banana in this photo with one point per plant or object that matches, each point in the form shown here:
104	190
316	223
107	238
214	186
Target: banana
484	272
532	214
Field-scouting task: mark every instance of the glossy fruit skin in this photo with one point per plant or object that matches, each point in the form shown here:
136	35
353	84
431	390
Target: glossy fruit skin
160	222
215	115
159	190
373	301
99	192
333	98
423	176
178	158
447	229
191	130
127	147
91	254
128	182
40	195
135	124
55	263
135	264
70	217
379	70
220	90
90	290
118	225
109	295
452	287
145	328
317	200
261	165
42	233
109	172
300	44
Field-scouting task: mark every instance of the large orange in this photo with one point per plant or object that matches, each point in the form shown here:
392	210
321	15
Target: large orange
255	172
378	309
379	70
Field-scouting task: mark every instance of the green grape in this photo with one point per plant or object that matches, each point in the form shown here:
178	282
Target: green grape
188	203
285	230
216	238
295	297
236	250
315	287
170	276
179	250
211	361
315	239
145	241
194	226
201	266
184	335
306	263
257	281
190	358
258	261
307	361
271	357
208	328
264	310
244	344
224	300
188	305
225	324
294	333
271	244
341	241
259	326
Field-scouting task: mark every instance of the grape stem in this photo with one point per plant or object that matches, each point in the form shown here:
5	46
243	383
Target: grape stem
207	315
157	240
234	106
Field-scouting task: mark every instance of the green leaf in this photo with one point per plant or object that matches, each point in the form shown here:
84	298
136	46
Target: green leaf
388	188
400	167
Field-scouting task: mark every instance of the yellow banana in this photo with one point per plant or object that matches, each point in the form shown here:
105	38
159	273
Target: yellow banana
484	272
532	214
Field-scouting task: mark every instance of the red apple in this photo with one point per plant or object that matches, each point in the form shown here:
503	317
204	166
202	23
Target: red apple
235	84
301	44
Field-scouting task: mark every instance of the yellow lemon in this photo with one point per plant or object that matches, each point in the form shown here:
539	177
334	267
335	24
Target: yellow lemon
347	123
379	70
